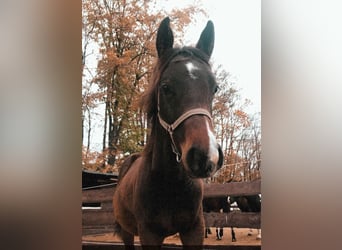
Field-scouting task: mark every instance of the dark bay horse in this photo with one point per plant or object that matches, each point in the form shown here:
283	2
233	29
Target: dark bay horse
160	191
217	204
250	203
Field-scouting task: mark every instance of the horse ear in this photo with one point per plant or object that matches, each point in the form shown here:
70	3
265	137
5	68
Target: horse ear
207	38
164	37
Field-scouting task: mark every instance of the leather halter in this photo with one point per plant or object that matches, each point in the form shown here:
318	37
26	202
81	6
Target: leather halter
172	127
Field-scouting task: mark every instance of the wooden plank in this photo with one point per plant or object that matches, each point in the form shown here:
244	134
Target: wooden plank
98	195
210	190
233	188
90	178
97	217
233	219
100	186
120	246
94	230
107	205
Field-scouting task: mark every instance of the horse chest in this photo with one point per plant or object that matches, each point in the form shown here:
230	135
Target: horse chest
172	197
170	210
167	223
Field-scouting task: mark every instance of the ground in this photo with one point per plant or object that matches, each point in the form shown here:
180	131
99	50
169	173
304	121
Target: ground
240	233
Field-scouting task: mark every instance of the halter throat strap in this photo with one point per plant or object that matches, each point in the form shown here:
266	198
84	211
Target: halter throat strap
172	127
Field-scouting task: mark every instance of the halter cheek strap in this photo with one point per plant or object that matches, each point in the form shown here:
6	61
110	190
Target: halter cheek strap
171	127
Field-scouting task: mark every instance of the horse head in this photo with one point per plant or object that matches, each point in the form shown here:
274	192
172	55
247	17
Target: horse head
185	88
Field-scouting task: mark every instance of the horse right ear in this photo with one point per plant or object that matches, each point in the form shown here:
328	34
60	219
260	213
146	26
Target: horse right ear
207	39
164	37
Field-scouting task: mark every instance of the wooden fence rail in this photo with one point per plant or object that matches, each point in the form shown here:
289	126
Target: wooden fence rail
97	209
118	246
232	188
106	192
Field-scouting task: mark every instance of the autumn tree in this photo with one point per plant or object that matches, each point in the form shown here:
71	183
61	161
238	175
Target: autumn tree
89	97
251	149
124	32
236	131
228	111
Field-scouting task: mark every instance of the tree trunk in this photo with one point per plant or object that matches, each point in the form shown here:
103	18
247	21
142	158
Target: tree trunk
82	128
112	133
89	129
105	128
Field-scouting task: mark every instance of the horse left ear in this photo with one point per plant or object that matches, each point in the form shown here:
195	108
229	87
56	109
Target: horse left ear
164	37
207	39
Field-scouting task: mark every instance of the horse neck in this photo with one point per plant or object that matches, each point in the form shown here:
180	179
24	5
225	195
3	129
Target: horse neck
163	169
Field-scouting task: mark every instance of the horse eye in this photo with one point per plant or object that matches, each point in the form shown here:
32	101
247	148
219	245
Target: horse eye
166	88
217	88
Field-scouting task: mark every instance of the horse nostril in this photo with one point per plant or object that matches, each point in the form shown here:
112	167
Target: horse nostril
195	158
199	163
211	166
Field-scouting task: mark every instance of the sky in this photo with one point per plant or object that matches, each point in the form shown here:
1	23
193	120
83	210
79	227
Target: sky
237	41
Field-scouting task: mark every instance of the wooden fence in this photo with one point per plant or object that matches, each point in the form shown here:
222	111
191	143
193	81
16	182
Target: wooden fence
97	210
119	246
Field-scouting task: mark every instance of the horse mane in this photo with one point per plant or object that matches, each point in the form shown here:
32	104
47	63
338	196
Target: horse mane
149	98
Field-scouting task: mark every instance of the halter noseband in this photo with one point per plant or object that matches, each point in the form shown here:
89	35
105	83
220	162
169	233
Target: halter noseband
171	127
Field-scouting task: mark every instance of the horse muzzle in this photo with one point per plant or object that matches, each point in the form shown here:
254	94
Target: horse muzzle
200	164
